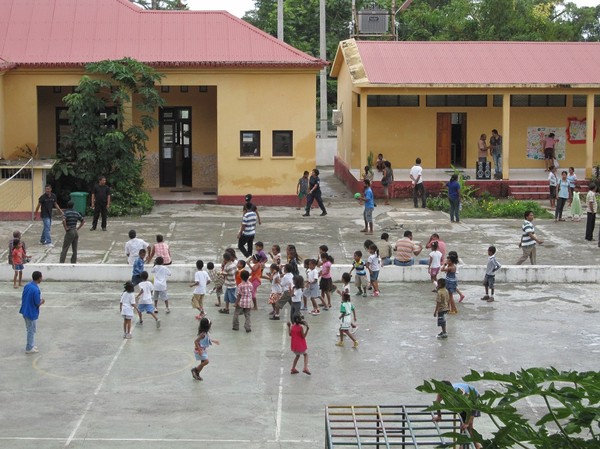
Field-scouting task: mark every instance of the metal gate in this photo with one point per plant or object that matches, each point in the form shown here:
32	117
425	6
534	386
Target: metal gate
386	426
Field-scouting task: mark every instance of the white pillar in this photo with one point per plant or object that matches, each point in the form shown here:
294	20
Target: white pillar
323	74
589	136
506	136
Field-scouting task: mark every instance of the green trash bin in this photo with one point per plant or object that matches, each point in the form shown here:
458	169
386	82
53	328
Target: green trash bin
79	201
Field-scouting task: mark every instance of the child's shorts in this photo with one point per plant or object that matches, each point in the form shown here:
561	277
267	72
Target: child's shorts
160	295
441	318
148	308
127	317
360	280
274	297
489	280
325	284
197	301
301	194
374	275
203	356
255	285
313	290
18	267
230	295
434	271
136	279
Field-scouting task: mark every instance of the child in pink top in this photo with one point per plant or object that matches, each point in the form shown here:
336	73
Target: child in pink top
160	249
326	284
297	332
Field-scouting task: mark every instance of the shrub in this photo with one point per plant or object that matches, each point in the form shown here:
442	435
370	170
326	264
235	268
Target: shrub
489	207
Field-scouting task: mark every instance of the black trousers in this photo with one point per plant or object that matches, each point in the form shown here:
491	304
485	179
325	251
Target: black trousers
589	226
419	192
100	209
245	244
312	197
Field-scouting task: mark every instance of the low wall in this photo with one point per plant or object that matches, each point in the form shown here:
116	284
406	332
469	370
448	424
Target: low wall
550	274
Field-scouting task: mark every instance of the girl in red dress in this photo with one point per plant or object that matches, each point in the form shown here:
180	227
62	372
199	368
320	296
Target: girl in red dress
297	332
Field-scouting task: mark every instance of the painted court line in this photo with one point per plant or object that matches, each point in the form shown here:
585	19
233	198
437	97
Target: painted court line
105	258
157	440
96	391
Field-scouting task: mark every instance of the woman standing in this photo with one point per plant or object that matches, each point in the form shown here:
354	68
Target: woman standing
562	195
387	181
454	197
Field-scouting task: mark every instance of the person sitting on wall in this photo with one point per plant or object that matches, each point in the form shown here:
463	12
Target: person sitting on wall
380	163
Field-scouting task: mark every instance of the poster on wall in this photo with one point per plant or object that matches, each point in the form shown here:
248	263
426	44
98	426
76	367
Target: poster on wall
577	129
535	142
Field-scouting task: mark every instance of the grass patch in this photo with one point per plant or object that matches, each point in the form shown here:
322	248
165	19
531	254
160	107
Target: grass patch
490	207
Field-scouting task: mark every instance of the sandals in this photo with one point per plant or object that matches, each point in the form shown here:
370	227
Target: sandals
225	311
306	371
218	304
196	374
485	298
294	371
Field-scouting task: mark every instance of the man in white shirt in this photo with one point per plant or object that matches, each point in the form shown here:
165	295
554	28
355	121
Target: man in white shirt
133	246
416	176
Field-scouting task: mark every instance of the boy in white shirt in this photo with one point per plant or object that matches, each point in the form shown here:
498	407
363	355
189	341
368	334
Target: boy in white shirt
312	285
145	303
160	283
201	280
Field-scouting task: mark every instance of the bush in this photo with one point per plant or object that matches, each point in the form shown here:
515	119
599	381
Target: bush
490	207
138	203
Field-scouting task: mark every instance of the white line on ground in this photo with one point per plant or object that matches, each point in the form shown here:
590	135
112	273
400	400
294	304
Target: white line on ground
96	391
342	244
105	258
159	440
280	392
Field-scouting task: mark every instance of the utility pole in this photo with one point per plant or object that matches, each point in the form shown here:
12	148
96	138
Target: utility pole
323	75
280	20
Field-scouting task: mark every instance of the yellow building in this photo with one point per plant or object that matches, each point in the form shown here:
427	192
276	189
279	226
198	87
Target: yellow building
434	100
240	104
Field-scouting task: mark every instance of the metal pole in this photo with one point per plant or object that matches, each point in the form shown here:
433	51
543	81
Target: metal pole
280	20
323	75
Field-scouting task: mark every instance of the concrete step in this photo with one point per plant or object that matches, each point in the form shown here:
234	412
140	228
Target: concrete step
530	195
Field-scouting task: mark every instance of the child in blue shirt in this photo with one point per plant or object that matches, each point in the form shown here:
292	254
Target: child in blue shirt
138	267
361	274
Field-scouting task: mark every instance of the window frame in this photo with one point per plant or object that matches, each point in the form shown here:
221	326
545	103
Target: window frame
290	142
244	153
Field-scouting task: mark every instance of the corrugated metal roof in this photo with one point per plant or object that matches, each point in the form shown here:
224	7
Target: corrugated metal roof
75	32
480	63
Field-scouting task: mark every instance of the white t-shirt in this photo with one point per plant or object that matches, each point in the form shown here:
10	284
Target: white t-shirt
287	282
201	277
297	295
147	289
415	172
160	278
276	283
132	249
552	180
346	289
312	275
436	259
127	302
374	262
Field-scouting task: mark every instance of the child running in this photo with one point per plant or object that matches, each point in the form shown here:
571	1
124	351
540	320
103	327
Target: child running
441	307
275	255
256	269
126	307
435	263
451	282
361	274
18	257
312	286
160	283
217	279
302	188
243	303
346	278
145	303
138	267
326	283
374	265
490	274
297	297
201	280
229	271
201	344
297	332
347	312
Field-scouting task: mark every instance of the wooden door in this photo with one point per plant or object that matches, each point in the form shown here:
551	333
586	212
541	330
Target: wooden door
444	139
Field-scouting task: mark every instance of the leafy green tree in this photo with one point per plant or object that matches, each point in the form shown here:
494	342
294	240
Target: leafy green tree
161	4
571	401
103	139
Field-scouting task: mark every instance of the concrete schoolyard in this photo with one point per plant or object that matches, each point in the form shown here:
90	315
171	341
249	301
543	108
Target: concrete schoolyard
90	388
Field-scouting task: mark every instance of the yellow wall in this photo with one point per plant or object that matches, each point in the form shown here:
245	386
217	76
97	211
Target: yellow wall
2	115
237	100
405	133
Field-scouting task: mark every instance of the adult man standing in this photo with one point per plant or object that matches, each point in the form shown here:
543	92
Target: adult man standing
69	221
100	202
528	239
47	202
314	193
592	208
416	176
133	246
247	231
496	150
406	250
367	198
31	300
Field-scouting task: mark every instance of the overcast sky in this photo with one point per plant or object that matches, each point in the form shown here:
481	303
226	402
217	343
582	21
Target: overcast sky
239	7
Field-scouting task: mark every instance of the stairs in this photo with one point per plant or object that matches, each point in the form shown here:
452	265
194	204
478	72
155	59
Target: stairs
536	190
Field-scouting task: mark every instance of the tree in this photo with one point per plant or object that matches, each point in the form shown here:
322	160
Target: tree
103	141
161	4
571	399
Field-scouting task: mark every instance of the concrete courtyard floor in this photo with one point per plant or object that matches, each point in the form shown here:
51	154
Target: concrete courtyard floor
89	388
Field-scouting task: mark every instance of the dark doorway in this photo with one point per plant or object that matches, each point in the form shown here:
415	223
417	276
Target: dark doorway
458	144
175	153
451	139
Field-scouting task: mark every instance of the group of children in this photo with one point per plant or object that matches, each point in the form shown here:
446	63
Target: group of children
564	192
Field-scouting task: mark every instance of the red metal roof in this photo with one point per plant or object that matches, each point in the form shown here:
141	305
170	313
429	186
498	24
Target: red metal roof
481	63
75	32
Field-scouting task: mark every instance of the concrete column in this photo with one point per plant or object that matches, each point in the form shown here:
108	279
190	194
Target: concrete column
589	136
363	132
505	136
128	112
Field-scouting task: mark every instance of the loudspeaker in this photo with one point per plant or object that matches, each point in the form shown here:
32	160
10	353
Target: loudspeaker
483	170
